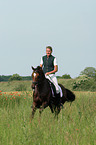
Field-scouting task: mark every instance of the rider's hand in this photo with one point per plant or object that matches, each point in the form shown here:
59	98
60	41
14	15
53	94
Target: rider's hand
47	73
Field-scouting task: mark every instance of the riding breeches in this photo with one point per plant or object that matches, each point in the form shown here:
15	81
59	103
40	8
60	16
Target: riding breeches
53	79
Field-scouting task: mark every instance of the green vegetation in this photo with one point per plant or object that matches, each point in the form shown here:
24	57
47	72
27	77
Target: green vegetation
66	76
15	86
89	71
15	77
21	87
76	124
82	83
4	78
7	78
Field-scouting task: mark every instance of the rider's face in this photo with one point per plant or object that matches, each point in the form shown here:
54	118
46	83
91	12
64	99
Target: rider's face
48	52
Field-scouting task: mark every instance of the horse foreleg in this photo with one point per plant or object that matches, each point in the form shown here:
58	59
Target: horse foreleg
33	111
40	111
44	105
52	107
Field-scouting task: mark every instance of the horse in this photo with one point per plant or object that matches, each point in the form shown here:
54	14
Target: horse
43	96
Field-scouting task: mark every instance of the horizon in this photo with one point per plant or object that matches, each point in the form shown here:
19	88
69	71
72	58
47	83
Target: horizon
27	27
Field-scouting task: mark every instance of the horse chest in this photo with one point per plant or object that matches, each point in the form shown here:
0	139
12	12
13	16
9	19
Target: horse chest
37	98
40	98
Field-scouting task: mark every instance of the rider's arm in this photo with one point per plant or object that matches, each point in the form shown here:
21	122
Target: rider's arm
53	71
40	65
41	62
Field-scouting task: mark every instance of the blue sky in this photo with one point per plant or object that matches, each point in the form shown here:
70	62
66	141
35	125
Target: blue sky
28	26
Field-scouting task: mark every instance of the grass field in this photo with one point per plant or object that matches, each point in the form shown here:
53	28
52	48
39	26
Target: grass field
76	124
26	85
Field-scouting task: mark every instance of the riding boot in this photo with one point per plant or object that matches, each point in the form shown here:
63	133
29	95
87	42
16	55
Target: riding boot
58	96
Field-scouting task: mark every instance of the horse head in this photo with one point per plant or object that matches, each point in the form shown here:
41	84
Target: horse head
37	76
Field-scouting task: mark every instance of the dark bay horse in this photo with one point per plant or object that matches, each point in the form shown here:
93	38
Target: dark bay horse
42	93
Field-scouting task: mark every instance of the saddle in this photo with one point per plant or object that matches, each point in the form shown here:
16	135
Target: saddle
53	89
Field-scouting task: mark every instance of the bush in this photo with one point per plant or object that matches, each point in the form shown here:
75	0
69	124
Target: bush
83	77
80	81
89	71
66	76
15	77
85	84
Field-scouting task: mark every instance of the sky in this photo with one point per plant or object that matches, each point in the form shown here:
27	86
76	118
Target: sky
28	26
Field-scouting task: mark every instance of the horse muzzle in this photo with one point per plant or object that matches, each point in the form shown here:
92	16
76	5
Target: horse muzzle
33	85
34	82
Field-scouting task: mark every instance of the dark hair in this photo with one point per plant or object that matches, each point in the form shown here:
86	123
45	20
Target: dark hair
49	47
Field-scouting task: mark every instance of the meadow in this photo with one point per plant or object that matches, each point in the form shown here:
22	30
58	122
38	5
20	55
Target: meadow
76	124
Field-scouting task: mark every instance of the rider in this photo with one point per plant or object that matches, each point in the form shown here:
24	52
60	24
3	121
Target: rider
50	67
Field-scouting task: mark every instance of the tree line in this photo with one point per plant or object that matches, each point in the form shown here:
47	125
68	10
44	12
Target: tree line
88	71
4	78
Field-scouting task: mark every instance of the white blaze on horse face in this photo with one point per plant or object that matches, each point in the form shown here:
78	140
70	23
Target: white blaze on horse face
34	74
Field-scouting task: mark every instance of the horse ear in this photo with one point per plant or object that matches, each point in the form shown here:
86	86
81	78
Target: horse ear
39	68
32	67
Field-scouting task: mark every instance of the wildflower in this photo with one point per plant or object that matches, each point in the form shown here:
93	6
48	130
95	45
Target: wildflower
6	99
0	94
0	91
19	95
24	98
15	93
14	98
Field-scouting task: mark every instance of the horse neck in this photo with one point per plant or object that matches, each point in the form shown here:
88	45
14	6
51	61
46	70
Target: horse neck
42	85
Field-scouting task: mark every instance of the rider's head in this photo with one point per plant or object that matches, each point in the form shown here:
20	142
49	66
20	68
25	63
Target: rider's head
48	50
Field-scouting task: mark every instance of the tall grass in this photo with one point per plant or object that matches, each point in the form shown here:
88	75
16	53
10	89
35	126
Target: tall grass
76	124
26	85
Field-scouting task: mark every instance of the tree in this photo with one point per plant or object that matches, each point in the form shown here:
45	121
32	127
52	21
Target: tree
89	71
66	76
15	77
1	79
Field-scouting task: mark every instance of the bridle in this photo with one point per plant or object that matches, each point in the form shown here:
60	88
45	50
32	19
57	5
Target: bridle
38	82
37	77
